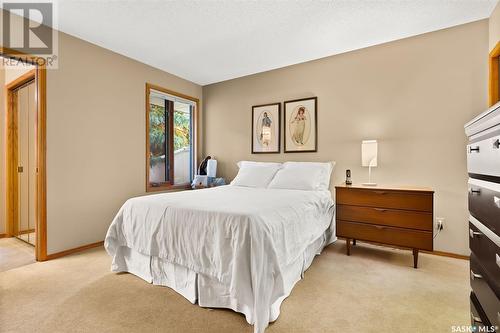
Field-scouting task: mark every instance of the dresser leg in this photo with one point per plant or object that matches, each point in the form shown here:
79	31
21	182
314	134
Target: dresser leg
353	242
415	258
348	246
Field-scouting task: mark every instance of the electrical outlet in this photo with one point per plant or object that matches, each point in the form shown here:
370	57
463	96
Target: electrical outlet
439	223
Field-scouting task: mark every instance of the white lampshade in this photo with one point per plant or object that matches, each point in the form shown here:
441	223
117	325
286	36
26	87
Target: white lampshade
369	153
211	168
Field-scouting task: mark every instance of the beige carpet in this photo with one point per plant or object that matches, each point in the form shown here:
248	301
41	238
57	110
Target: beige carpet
15	253
374	290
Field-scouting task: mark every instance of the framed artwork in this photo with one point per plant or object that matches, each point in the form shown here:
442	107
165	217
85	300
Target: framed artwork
266	128
301	125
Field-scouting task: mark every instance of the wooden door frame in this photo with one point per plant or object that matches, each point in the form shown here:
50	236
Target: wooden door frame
493	84
165	187
40	75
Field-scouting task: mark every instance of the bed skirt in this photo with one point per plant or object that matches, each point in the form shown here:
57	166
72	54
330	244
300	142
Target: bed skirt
206	290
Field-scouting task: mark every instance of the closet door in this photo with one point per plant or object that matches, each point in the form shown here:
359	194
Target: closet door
32	161
26	162
22	153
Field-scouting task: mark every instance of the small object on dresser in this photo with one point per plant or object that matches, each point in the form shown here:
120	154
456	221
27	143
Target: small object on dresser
211	168
217	182
202	169
200	182
348	180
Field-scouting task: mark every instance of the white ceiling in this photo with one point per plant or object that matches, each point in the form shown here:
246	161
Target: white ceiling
212	41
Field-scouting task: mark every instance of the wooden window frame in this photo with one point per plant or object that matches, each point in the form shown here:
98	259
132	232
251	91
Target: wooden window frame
493	84
167	186
40	75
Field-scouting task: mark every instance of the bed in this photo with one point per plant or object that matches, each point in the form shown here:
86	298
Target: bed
232	246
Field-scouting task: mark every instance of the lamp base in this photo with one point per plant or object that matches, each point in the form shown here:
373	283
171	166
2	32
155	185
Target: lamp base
369	177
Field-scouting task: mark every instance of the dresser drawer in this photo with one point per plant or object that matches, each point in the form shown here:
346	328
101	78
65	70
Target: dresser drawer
385	216
410	200
477	316
487	297
487	252
484	203
387	235
483	157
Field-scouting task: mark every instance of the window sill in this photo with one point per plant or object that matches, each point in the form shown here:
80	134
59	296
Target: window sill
163	188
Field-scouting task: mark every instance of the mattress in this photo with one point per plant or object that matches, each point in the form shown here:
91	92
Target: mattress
242	246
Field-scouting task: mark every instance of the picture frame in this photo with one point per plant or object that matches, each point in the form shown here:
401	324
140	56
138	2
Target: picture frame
300	125
266	128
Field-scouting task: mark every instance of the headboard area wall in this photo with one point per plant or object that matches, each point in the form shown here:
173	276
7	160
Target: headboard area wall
413	96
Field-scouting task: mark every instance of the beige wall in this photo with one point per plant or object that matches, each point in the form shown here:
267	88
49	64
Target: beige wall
13	72
413	95
95	138
494	27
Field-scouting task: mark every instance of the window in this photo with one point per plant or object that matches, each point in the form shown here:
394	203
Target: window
170	124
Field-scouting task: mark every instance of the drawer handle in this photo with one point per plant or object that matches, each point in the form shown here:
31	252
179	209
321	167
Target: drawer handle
473	233
475	190
497	259
475	319
380	210
472	149
475	275
379	227
496	144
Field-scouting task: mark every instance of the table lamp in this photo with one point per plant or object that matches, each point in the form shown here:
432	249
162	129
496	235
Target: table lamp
369	158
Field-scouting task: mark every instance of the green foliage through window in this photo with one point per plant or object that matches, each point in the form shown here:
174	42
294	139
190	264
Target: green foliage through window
181	130
157	132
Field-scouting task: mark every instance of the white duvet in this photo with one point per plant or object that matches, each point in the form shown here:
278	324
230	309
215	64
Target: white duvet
241	236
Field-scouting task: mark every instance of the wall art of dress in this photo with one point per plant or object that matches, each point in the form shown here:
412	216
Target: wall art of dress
266	128
300	125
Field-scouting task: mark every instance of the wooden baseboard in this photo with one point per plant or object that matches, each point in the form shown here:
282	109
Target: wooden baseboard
27	231
3	235
71	251
447	254
436	253
101	243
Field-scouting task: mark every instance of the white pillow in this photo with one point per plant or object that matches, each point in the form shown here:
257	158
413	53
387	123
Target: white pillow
312	176
255	175
244	163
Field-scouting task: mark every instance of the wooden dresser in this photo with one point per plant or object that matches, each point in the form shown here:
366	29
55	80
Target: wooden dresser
400	216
